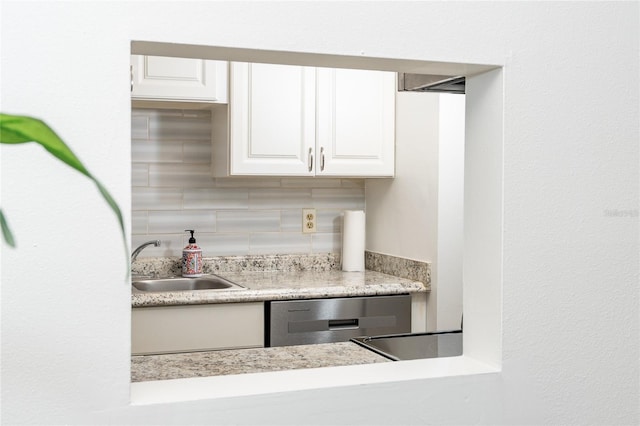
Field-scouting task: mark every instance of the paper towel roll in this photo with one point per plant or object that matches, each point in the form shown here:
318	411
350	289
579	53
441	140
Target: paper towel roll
353	239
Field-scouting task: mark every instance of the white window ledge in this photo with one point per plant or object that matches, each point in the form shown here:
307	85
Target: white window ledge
199	388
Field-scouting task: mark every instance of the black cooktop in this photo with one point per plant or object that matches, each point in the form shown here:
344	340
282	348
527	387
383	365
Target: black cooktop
399	347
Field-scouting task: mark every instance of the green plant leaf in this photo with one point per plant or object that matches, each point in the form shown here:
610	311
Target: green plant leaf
6	232
16	129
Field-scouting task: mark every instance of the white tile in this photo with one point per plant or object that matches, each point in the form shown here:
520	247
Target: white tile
141	111
156	151
171	152
139	222
242	182
232	244
310	182
156	113
139	127
279	198
204	114
291	220
180	128
139	174
177	221
216	199
180	175
326	243
156	199
329	221
339	198
279	243
248	221
197	152
353	183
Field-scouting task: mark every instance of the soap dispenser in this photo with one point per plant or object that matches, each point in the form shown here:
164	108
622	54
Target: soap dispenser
191	258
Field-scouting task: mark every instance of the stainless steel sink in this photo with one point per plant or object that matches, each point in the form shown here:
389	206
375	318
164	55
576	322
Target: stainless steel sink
400	347
206	282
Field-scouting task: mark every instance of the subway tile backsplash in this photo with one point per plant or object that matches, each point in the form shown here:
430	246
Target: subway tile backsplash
172	190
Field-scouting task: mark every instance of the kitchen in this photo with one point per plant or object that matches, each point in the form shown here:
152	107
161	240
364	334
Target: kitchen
178	144
552	146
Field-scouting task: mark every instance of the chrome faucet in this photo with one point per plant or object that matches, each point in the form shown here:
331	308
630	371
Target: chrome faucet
137	251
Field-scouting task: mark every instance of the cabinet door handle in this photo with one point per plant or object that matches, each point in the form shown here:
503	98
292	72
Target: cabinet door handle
322	159
131	73
310	160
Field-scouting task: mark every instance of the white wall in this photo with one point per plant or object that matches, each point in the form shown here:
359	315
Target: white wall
565	266
402	213
450	210
418	214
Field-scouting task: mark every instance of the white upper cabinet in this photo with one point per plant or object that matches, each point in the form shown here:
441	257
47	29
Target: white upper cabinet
303	121
271	119
356	122
159	78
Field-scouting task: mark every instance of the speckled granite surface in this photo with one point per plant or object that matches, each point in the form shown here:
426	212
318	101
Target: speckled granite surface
171	266
398	266
275	285
273	277
283	277
240	361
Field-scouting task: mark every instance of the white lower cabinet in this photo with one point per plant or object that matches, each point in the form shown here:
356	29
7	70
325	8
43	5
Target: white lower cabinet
187	328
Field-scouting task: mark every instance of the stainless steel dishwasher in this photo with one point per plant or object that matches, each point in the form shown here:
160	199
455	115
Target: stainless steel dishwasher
302	322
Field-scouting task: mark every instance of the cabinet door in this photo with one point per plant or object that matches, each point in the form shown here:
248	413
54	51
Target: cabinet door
271	119
167	329
178	79
356	122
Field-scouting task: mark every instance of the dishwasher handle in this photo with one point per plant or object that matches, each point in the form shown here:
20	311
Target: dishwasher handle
343	324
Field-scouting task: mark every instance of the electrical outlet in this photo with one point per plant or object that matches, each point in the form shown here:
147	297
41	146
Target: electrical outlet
308	221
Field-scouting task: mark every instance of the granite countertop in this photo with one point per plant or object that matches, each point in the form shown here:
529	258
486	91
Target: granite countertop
275	285
256	360
286	277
